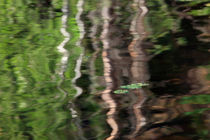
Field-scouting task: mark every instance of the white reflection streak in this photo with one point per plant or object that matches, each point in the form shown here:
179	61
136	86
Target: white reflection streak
106	94
80	24
79	60
60	47
64	61
64	52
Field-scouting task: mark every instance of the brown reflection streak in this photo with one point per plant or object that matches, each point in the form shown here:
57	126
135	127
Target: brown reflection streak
139	69
106	94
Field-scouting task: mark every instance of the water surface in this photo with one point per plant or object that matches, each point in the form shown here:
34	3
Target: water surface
62	61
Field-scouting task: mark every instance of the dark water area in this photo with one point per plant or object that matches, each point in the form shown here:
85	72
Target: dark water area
104	70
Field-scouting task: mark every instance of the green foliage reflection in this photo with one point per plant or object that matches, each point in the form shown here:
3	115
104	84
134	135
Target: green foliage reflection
31	106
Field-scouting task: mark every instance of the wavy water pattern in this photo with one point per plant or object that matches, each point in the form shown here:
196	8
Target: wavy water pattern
78	43
106	94
76	118
65	53
64	60
61	46
139	65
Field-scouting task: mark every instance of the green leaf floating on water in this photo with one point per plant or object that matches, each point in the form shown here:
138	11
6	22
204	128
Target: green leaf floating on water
134	86
120	91
131	86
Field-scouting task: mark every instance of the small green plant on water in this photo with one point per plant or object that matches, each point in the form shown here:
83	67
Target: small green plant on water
125	88
120	91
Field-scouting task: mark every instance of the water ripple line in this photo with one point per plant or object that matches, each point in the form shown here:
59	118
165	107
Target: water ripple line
61	46
76	118
78	43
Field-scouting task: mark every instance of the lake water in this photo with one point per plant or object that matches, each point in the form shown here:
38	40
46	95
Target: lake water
104	70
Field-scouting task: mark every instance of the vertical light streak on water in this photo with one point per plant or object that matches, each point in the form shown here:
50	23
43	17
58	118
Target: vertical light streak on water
106	94
138	66
60	47
64	61
76	118
79	60
65	54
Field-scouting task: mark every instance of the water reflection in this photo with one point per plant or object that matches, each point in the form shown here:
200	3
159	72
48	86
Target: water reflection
78	43
62	60
60	47
106	94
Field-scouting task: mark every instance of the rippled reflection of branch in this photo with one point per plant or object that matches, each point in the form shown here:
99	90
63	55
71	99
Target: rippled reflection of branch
79	60
76	118
139	65
65	54
106	94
